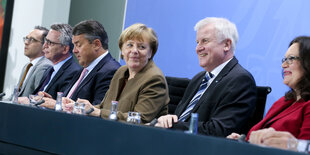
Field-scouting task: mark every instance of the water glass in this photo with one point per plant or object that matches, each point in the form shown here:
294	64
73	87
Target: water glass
58	105
134	117
79	108
298	145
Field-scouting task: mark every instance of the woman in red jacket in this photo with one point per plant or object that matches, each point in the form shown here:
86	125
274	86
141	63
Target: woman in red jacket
290	113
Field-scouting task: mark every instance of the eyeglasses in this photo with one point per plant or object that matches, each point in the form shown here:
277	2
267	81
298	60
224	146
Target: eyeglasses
289	59
30	40
50	43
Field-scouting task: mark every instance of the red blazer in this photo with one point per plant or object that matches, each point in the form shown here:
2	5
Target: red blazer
283	116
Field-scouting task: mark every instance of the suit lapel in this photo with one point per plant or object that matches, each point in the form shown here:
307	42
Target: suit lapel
285	110
194	88
210	90
93	72
31	73
59	73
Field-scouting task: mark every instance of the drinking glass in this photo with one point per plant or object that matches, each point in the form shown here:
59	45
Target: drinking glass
298	145
134	117
79	108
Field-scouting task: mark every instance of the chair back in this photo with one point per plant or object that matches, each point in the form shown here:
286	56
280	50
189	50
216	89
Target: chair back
177	88
262	92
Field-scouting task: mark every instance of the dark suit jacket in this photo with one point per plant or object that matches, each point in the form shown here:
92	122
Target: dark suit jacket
226	105
146	93
286	116
62	79
96	84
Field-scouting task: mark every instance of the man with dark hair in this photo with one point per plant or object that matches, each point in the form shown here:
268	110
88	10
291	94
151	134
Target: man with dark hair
91	50
58	49
32	72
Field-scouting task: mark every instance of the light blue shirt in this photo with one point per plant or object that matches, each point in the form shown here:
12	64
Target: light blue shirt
56	69
93	64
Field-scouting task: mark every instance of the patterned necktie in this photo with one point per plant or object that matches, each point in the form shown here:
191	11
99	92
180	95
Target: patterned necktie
24	76
75	86
195	99
47	78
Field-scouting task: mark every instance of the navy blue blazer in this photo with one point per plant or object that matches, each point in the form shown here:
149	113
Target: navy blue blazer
97	82
62	79
226	105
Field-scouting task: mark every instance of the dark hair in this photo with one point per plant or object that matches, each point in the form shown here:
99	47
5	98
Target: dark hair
65	37
92	30
45	31
303	85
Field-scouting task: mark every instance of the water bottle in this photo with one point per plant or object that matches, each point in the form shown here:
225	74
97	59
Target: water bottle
58	105
113	114
15	95
193	124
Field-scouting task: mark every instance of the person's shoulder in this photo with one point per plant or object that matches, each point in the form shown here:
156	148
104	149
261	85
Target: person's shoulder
198	75
153	69
44	63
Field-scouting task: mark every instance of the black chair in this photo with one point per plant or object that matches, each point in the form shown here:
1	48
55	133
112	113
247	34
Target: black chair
262	92
177	88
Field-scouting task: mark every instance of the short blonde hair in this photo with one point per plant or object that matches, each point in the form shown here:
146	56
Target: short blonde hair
139	32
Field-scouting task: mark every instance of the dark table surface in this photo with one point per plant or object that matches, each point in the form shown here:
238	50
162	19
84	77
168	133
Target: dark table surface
32	130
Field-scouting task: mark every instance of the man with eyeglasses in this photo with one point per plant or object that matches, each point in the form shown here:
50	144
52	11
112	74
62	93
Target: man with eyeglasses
57	48
32	72
91	50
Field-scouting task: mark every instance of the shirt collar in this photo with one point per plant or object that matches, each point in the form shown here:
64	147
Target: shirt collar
36	60
219	68
59	64
93	64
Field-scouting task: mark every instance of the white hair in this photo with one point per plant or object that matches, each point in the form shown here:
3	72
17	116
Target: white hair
225	29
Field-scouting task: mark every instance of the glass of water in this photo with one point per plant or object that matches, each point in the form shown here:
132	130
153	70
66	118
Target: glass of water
79	108
134	117
298	145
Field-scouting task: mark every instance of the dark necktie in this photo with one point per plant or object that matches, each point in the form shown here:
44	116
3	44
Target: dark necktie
24	76
47	78
195	99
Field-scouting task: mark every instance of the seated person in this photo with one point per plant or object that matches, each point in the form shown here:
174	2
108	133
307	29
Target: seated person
140	85
224	94
90	42
290	113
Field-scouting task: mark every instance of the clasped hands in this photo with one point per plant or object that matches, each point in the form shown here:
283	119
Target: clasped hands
268	137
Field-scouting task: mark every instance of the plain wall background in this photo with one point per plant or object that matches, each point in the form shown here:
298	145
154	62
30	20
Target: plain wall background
110	13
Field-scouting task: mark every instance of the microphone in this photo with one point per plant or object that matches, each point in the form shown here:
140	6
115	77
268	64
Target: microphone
39	103
1	95
90	110
153	122
242	138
